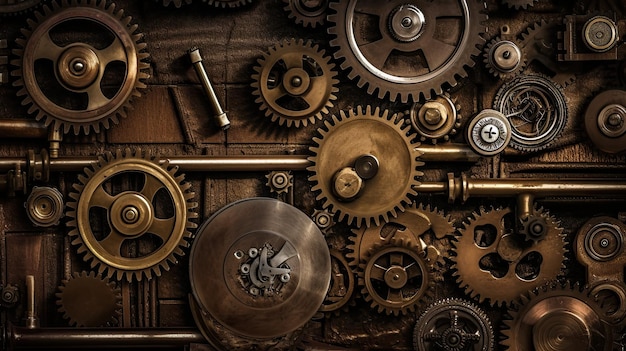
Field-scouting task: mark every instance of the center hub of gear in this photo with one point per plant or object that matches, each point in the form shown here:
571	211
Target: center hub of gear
406	23
612	120
78	67
396	277
296	81
131	214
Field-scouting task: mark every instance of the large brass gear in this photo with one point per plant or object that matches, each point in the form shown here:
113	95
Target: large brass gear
131	215
396	277
407	49
349	137
557	318
453	324
85	81
420	224
295	83
493	263
87	300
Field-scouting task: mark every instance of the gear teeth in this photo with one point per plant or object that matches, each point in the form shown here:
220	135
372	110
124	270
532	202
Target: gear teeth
228	3
46	110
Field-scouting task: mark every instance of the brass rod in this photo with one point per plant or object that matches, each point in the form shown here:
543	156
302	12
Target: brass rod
447	153
22	128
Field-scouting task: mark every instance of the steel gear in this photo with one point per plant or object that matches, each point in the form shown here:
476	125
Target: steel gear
342	283
419	48
177	3
308	13
557	318
342	144
228	3
539	44
419	224
491	263
536	108
605	121
453	325
435	119
130	215
504	58
13	7
396	277
89	81
295	83
519	4
87	300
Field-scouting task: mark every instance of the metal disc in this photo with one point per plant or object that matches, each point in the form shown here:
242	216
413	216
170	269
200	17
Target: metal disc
260	267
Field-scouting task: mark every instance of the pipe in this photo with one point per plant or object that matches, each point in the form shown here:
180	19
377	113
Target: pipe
22	128
447	153
62	338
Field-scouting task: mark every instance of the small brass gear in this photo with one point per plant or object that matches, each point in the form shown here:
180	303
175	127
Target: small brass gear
396	277
559	318
308	13
130	215
228	3
87	300
519	4
85	81
435	119
342	143
493	263
504	58
453	324
295	83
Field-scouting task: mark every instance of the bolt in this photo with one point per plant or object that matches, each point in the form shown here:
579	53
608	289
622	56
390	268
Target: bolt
506	55
615	120
489	133
296	81
407	22
238	254
604	243
130	214
432	116
322	220
253	252
79	66
219	117
285	278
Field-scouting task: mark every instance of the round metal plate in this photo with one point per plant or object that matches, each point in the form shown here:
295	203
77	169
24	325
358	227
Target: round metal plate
223	246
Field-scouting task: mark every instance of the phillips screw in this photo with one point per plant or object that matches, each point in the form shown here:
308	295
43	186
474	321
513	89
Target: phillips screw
220	116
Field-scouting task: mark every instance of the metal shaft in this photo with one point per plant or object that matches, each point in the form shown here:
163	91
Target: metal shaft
22	129
63	338
220	116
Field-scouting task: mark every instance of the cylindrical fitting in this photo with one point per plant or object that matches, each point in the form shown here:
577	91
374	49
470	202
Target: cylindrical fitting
32	321
220	117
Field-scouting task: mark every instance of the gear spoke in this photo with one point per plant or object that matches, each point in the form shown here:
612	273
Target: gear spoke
396	259
113	52
112	243
437	53
368	7
413	271
377	52
444	9
47	49
162	227
394	295
293	60
151	187
378	272
275	94
96	96
100	198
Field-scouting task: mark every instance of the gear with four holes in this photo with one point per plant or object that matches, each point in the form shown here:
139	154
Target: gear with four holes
429	228
519	4
80	83
387	149
557	317
396	277
417	50
228	3
177	3
492	263
130	215
453	324
295	83
536	109
308	13
87	300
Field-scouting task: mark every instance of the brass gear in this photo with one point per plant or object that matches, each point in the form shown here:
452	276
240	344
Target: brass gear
557	318
407	58
435	119
87	300
519	4
535	226
13	7
396	277
504	58
453	324
295	83
420	224
228	3
492	263
342	142
90	79
308	13
130	215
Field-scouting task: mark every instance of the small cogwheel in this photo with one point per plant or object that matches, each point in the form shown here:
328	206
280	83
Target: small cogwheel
130	215
535	226
295	83
87	300
435	120
504	58
308	13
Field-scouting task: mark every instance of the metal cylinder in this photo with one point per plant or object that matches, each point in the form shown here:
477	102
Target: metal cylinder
22	129
63	338
220	117
447	153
